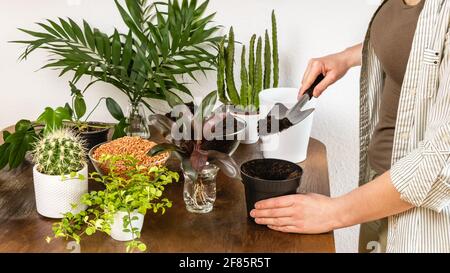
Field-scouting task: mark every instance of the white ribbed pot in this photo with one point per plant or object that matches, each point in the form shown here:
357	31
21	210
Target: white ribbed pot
117	228
56	196
291	144
250	135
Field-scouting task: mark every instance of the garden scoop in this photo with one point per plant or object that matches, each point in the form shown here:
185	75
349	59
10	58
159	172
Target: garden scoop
281	118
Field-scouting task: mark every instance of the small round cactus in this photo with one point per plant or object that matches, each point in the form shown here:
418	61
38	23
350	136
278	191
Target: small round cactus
60	153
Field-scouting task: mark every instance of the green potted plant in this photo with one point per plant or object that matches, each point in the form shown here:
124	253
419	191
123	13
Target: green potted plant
199	156
165	41
119	210
60	174
26	133
254	78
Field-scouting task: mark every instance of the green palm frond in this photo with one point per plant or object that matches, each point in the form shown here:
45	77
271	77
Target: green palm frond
165	40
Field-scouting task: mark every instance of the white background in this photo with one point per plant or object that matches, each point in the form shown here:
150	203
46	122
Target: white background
306	29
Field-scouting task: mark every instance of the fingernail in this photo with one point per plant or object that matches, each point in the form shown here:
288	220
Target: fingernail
252	213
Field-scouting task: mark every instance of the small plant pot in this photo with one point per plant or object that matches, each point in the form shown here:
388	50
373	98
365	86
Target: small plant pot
268	178
55	195
120	231
250	135
94	136
291	144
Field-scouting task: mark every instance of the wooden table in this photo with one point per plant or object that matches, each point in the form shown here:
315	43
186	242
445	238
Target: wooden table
225	229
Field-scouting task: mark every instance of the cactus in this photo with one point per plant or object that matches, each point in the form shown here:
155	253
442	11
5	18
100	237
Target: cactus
221	72
244	80
59	153
251	61
258	74
276	60
229	70
267	61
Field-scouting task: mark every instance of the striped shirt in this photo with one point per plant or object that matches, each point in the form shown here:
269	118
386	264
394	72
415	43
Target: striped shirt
420	165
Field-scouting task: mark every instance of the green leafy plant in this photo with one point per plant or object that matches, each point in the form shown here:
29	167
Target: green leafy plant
60	153
27	133
262	67
141	189
165	40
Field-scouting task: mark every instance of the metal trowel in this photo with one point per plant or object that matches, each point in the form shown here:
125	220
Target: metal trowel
281	118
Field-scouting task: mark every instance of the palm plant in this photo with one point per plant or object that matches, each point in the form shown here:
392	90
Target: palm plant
165	40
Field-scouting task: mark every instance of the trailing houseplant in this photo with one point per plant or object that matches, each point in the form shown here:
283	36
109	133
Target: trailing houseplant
119	210
60	173
72	115
200	163
165	40
261	73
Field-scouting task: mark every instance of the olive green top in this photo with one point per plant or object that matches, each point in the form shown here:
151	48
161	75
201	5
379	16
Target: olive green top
391	35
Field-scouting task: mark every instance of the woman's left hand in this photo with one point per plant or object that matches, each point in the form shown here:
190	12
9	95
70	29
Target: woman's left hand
299	213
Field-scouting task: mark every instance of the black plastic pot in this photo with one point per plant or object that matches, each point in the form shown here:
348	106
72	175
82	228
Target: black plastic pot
268	178
95	136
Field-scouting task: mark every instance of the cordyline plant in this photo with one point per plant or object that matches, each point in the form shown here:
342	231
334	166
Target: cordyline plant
165	40
188	149
256	77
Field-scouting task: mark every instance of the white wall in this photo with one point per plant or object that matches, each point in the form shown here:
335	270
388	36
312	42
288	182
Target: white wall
306	29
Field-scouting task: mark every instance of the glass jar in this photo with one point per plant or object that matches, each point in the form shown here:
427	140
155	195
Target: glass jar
200	195
137	121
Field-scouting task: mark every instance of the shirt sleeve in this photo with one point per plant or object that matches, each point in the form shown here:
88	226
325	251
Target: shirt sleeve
423	176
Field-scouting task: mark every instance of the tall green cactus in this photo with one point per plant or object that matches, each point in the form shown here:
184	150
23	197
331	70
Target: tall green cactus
244	79
257	77
60	153
251	61
276	60
229	70
258	74
267	61
221	72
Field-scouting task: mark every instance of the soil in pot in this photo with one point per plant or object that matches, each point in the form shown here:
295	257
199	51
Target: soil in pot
268	178
224	140
94	134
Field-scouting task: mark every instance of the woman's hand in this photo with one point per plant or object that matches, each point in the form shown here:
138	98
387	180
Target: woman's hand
333	67
299	213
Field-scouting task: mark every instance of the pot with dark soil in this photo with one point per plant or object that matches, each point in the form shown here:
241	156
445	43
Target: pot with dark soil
268	178
93	133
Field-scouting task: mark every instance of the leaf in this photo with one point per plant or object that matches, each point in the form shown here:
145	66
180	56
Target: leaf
53	119
5	152
6	134
21	143
114	109
207	105
80	106
119	129
227	164
142	247
22	125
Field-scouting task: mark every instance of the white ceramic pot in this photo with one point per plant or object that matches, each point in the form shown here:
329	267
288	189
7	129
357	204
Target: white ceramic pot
291	144
56	196
117	228
250	135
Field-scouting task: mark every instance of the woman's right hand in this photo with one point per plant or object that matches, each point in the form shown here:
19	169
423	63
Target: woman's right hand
333	67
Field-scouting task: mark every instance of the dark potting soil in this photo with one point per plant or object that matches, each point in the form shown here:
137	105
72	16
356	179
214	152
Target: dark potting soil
283	124
267	169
